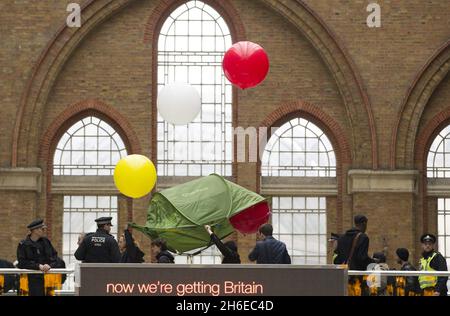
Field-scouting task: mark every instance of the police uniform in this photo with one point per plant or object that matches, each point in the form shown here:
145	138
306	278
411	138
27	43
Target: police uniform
432	261
99	247
31	254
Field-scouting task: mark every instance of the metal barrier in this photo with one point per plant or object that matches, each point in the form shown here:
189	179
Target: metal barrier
390	283
68	288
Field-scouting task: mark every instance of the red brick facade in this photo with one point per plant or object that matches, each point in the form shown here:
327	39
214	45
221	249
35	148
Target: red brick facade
380	95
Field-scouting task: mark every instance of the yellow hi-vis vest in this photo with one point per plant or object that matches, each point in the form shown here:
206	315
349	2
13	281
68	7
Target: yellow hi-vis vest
427	281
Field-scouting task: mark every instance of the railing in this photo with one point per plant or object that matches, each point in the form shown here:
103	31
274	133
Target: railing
372	279
399	273
68	288
389	283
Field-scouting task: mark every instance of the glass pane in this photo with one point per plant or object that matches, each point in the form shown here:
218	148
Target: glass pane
286	224
302	149
312	223
193	57
87	144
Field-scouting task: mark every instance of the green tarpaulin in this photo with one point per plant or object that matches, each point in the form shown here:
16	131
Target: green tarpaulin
178	214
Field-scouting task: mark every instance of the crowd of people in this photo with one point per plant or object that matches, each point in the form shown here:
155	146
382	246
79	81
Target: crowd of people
36	252
351	249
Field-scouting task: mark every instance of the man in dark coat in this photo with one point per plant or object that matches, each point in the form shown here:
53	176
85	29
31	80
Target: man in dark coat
352	250
36	253
10	280
269	250
228	249
356	236
411	283
99	247
432	261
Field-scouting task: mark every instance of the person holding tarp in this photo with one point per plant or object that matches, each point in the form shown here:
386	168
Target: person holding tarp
228	250
129	248
178	214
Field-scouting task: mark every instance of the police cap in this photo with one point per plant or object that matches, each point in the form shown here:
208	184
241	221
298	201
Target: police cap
428	238
334	237
38	223
104	221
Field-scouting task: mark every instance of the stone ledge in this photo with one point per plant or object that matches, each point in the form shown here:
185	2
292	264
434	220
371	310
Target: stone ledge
401	181
439	187
20	179
83	185
282	186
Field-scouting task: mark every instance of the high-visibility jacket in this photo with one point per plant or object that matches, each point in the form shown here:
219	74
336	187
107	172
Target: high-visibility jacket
427	281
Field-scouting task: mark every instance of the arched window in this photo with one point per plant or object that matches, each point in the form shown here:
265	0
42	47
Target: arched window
438	166
191	46
300	149
438	162
90	147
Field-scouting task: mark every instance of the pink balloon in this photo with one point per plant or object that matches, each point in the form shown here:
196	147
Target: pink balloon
245	64
249	220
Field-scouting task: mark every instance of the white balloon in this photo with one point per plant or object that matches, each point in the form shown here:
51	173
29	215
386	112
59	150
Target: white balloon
179	103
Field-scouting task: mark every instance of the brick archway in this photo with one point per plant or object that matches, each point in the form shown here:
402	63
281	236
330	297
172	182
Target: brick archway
330	127
66	40
66	119
421	89
422	146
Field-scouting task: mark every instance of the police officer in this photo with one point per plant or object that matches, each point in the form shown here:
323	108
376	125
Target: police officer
333	240
36	252
99	247
432	261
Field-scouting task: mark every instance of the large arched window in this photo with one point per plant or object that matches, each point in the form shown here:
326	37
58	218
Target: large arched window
300	149
438	162
438	167
191	46
90	147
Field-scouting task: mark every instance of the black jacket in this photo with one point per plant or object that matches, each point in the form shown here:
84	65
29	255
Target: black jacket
360	259
98	247
10	279
229	255
132	253
165	257
270	251
439	264
412	282
30	254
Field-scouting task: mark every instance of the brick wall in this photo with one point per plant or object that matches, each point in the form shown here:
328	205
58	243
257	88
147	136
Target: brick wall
390	216
113	64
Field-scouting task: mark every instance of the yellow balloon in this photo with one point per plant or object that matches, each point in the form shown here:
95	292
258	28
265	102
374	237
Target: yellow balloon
135	176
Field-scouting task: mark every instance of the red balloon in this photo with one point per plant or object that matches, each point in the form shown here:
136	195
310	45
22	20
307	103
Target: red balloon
249	220
245	64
